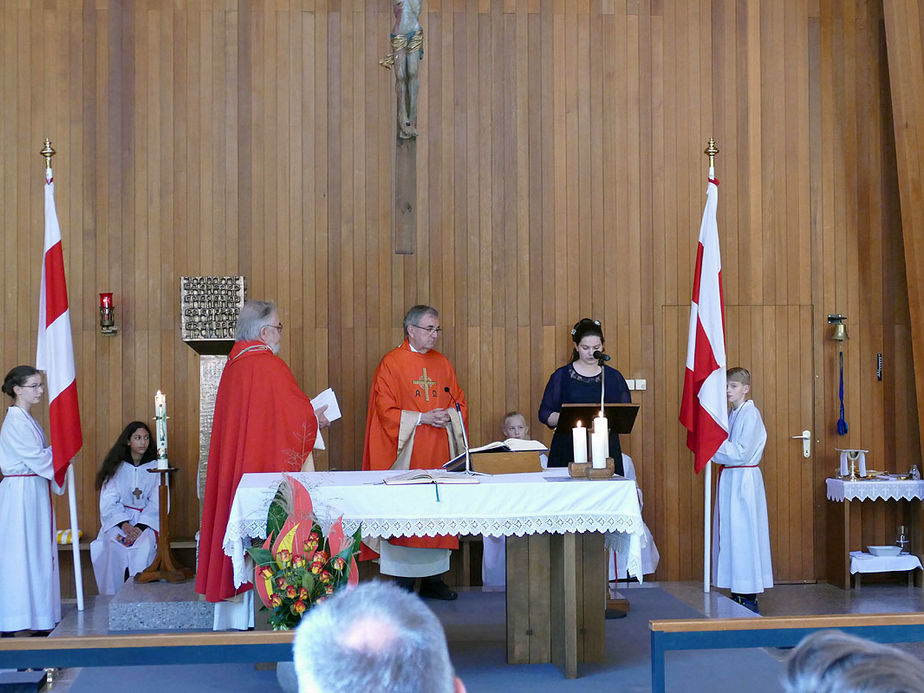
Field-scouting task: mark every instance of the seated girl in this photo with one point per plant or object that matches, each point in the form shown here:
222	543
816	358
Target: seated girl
128	509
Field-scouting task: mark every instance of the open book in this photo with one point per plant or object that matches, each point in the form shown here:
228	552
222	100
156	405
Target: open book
513	445
430	476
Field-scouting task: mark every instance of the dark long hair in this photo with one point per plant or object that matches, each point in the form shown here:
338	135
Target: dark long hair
122	451
17	376
582	328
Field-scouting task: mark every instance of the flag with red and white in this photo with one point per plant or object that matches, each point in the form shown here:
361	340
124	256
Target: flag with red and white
704	407
55	351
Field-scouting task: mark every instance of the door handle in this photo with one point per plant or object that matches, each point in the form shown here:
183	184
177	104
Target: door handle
806	439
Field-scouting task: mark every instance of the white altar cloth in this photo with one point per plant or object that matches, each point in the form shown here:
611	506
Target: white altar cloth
501	505
861	562
887	488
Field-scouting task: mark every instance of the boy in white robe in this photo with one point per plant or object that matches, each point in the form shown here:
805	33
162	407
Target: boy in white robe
740	531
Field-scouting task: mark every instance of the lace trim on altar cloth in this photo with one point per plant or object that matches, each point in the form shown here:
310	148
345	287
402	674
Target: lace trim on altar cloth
621	532
840	490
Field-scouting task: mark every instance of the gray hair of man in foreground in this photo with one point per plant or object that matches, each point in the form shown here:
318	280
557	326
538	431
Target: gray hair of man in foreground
416	313
830	661
375	637
253	317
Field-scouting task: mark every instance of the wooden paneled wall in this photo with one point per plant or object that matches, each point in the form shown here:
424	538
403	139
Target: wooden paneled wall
559	174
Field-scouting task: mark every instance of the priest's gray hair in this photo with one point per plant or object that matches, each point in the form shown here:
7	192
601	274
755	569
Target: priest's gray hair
829	661
375	637
414	315
253	318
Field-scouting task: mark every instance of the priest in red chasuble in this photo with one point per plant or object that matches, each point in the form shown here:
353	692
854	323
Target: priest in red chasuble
413	424
263	422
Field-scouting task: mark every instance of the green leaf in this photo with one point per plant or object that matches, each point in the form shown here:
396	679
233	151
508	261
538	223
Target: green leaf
277	514
260	556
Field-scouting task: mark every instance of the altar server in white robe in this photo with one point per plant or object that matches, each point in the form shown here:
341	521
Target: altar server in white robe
619	568
30	591
740	530
129	510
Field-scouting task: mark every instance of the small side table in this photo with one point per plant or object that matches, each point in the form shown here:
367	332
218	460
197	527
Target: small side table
164	566
861	562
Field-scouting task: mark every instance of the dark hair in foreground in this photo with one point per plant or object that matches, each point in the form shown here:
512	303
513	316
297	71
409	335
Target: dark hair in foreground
829	661
18	375
121	452
375	637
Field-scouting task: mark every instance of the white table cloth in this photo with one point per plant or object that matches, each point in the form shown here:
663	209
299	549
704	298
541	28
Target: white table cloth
861	562
501	505
889	488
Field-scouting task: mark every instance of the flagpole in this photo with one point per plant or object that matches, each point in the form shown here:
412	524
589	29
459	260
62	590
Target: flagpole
710	151
47	153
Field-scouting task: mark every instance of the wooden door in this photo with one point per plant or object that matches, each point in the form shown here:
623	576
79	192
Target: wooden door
775	344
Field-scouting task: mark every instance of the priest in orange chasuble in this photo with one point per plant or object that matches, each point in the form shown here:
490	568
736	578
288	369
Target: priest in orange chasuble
413	424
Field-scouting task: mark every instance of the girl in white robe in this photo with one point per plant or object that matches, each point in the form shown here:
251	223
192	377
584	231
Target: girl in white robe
30	589
128	508
740	531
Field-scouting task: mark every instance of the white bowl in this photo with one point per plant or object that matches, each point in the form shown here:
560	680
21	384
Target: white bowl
885	550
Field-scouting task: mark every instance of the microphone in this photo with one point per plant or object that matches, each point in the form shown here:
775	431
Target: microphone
468	455
601	357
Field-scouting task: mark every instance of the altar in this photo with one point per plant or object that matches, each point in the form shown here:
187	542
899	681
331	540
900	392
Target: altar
557	528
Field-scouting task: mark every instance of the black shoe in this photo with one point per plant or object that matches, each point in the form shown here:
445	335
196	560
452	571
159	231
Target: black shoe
435	588
405	583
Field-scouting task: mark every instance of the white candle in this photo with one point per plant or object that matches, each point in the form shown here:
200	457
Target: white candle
160	419
601	425
162	463
597	447
579	434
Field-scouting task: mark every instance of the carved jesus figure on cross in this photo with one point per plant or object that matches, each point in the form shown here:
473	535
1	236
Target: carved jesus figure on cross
407	52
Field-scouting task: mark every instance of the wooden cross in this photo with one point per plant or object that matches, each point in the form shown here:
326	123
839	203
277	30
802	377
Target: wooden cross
425	383
137	493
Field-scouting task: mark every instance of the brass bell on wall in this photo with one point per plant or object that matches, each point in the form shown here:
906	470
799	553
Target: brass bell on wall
840	329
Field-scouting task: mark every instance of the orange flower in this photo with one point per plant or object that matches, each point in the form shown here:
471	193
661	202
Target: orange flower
339	563
291	592
298	561
275	599
316	568
325	576
320	556
299	607
328	590
266	572
283	556
280	582
303	594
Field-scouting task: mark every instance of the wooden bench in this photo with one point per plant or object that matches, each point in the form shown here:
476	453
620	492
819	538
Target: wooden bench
771	631
146	649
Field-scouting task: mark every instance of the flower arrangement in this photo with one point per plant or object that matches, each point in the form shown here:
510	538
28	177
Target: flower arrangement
297	566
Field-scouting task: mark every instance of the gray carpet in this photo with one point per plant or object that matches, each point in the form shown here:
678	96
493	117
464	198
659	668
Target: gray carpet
476	633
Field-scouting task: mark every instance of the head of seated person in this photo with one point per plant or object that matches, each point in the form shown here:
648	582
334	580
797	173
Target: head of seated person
830	661
375	637
515	426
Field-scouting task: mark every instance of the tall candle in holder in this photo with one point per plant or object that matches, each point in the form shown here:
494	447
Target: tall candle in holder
160	419
600	441
579	437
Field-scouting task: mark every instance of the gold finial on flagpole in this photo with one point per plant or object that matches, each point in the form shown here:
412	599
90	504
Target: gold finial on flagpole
47	152
711	151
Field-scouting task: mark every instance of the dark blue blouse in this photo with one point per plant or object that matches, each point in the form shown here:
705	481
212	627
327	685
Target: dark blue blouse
568	386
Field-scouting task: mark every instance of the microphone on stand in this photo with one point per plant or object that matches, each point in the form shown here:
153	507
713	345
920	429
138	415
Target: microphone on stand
468	455
601	357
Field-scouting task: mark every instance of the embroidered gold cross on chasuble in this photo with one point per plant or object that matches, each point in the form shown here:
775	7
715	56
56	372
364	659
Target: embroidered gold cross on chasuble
425	383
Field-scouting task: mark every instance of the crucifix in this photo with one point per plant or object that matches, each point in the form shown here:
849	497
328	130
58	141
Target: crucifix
407	51
137	493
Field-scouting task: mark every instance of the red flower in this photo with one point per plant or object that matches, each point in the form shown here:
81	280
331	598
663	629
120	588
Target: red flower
283	556
291	592
339	563
275	599
299	607
325	576
316	568
303	594
298	561
266	572
328	590
314	536
320	556
280	582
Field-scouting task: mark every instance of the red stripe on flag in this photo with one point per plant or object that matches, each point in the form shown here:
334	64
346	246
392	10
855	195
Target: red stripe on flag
55	288
66	438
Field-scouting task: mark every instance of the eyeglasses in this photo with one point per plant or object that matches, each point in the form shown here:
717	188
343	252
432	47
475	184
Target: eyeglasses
276	327
428	330
41	385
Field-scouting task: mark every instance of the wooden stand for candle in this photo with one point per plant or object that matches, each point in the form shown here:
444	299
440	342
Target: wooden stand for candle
164	566
585	470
